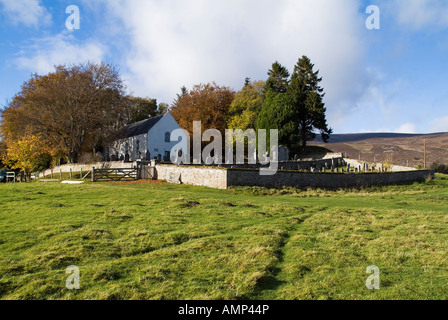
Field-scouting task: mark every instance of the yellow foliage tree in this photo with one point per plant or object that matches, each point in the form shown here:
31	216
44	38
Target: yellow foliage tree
29	154
246	106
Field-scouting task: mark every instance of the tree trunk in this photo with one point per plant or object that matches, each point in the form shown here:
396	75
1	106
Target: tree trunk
73	157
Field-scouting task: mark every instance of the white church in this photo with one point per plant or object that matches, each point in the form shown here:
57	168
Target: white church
145	140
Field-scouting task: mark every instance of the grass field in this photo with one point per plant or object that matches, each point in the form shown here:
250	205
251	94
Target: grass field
161	241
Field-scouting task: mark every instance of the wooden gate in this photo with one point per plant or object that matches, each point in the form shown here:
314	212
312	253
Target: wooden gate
115	174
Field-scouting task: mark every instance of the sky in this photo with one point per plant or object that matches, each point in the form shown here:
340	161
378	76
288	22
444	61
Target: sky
392	78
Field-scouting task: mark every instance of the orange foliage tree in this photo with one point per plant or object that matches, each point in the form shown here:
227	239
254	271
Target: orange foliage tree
74	108
208	103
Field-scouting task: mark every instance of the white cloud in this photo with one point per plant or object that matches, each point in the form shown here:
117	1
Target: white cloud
406	128
29	13
440	125
419	14
175	43
45	53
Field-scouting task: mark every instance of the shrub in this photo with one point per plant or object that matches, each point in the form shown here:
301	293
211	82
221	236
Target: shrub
439	167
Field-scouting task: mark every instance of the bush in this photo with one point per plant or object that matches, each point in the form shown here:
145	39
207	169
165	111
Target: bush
440	168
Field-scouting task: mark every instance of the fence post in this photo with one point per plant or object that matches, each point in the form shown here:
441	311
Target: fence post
80	172
60	174
51	173
93	174
71	174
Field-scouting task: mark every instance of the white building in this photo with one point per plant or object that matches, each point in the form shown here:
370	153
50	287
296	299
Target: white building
145	140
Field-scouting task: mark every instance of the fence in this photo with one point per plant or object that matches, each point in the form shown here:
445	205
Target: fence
115	174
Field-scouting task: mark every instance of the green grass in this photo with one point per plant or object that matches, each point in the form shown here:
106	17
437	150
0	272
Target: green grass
162	241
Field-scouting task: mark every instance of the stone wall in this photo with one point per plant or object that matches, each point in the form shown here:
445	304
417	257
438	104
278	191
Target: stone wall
237	177
195	175
222	178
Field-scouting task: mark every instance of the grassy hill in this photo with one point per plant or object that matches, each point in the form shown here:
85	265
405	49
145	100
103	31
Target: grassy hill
161	241
399	149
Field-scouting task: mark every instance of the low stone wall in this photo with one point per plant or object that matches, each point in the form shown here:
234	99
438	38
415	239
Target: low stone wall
212	177
324	180
222	178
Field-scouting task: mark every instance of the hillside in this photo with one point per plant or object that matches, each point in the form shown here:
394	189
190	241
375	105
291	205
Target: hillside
400	149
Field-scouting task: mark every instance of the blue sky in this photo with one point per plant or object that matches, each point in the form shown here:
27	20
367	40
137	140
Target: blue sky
391	79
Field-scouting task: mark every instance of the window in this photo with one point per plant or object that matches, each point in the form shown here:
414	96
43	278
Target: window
168	137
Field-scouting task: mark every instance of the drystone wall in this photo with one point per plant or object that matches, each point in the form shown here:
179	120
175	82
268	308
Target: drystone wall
222	178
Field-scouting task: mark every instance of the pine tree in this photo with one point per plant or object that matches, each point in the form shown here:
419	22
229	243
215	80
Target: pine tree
307	99
278	79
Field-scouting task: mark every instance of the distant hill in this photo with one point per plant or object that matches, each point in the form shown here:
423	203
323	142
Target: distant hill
398	148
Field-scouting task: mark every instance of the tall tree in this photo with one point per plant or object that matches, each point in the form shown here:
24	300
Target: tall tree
208	103
141	109
278	78
72	108
307	99
278	113
246	106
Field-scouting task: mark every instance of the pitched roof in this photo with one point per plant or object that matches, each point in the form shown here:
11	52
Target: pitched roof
139	128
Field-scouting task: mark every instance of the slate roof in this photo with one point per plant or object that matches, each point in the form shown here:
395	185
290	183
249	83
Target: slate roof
139	128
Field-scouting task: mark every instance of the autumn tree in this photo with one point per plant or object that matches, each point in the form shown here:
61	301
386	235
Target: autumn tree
3	153
29	154
244	109
208	103
72	109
